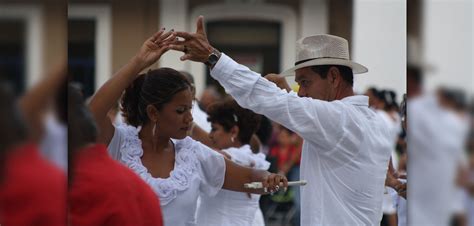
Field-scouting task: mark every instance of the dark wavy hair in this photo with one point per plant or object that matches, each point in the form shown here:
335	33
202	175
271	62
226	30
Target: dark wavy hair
228	114
156	87
346	72
13	127
81	124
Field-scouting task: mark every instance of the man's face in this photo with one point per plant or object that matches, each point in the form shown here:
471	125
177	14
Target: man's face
312	85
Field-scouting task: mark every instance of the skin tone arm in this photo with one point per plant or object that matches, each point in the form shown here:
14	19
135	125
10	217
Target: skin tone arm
34	103
279	81
197	133
198	49
236	176
392	180
255	144
110	92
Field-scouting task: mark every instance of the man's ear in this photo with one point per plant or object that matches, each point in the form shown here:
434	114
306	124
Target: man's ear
334	76
152	113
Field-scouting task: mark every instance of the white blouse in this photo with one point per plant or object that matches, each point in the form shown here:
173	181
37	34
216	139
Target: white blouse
228	207
197	170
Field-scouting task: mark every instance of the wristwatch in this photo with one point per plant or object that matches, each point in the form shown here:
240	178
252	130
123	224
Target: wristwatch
213	58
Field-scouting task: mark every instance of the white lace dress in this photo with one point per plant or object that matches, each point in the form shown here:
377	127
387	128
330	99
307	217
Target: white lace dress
197	170
231	208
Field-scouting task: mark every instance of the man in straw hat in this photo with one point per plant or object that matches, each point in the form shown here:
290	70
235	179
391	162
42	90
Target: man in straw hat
346	147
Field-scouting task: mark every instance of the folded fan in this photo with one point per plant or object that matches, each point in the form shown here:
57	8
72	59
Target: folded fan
258	185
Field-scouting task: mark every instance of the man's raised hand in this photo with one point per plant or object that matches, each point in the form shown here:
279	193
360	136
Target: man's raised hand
195	46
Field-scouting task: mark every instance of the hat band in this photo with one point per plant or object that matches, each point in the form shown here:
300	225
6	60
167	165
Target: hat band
302	61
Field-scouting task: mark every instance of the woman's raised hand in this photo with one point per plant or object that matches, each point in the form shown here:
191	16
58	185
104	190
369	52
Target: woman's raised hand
154	47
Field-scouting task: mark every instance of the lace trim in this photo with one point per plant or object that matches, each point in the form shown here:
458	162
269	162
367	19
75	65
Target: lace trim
186	164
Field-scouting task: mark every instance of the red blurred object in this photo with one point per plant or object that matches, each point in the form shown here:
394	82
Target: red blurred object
33	191
104	192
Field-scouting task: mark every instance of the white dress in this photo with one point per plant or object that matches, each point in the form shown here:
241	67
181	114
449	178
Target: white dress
197	170
231	208
401	206
200	117
388	206
53	146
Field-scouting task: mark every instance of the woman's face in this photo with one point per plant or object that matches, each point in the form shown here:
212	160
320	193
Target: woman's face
175	117
220	138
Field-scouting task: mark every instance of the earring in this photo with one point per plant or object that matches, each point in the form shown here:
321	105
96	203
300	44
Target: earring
154	129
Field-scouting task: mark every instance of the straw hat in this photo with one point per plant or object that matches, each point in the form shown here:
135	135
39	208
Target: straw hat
323	50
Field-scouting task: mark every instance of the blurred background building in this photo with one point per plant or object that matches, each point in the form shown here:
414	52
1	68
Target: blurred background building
33	38
103	34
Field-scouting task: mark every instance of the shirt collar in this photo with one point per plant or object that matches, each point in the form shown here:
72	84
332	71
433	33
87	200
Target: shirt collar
359	100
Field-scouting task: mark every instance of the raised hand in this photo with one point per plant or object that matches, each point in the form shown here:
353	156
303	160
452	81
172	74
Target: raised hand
195	46
154	47
279	81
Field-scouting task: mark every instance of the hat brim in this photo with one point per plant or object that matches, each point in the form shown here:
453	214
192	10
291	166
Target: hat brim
356	68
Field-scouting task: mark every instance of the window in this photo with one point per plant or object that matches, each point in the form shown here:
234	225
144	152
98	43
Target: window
81	53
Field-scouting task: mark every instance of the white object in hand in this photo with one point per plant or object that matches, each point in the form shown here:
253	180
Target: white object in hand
258	185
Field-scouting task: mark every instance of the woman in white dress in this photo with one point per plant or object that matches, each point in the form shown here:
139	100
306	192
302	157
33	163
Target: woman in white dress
232	128
154	143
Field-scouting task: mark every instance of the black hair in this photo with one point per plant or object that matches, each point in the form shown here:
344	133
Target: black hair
81	124
374	91
346	72
228	114
415	73
60	102
265	130
13	128
456	97
156	87
389	98
188	76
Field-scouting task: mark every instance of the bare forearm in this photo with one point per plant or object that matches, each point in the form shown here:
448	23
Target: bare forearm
202	136
34	99
33	103
236	176
255	144
105	98
391	170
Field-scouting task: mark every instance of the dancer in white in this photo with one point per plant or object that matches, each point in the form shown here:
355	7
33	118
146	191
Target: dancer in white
232	129
154	143
346	147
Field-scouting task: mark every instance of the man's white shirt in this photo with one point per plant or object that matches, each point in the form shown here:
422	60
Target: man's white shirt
345	152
